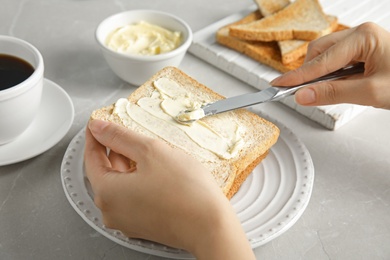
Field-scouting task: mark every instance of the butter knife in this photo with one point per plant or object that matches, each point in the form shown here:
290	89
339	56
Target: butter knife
272	93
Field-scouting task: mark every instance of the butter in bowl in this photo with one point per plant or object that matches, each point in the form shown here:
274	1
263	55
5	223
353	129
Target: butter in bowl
138	43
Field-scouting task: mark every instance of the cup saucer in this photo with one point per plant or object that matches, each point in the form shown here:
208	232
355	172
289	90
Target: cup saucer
54	119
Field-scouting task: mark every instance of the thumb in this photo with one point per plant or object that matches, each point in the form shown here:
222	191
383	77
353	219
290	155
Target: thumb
118	138
306	96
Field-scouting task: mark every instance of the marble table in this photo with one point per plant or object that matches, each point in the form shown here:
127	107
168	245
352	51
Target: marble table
348	216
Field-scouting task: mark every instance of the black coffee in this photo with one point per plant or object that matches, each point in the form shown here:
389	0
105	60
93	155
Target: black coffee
13	71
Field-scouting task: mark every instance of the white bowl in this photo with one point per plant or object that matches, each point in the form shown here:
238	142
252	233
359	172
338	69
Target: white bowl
20	103
137	69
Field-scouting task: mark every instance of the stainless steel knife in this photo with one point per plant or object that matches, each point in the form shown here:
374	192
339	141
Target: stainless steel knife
272	93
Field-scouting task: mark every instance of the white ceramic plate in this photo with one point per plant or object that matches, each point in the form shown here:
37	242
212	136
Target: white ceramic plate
268	203
54	118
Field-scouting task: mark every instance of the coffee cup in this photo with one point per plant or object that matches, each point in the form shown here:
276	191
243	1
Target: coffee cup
21	83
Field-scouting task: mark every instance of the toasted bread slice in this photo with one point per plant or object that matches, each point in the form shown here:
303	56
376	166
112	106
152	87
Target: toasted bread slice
269	7
267	53
301	20
292	50
257	135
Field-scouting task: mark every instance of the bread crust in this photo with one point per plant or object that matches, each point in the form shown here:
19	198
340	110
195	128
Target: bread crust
239	180
259	134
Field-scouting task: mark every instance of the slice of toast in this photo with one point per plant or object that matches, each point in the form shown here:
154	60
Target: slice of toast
268	7
292	50
301	20
256	135
268	53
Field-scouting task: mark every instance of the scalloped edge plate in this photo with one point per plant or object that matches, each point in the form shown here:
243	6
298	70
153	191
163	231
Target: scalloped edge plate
269	202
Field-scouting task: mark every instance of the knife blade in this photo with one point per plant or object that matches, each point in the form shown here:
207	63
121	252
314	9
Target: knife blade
241	101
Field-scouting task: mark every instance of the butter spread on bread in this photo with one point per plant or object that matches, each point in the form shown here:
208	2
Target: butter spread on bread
162	107
244	136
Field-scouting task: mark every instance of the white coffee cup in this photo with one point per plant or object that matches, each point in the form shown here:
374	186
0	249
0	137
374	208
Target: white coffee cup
19	104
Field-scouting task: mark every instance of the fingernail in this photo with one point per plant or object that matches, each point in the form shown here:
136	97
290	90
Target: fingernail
305	96
97	126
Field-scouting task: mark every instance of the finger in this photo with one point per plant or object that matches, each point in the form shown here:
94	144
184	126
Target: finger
334	92
320	45
119	139
95	158
119	162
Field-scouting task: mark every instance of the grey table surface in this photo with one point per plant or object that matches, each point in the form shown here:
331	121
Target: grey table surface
348	216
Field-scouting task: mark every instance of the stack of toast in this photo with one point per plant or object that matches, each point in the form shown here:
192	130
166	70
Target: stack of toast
278	33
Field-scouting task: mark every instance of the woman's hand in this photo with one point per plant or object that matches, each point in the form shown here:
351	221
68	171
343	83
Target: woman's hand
366	43
169	197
